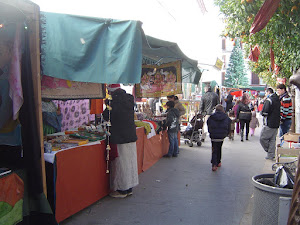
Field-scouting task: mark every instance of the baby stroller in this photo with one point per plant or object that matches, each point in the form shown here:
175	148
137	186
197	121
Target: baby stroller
193	132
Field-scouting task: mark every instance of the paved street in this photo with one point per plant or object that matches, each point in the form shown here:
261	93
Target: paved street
184	190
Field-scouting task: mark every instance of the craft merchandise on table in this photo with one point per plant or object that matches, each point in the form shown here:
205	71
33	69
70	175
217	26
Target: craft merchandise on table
84	136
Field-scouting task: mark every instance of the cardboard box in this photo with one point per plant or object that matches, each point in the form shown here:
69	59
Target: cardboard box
294	137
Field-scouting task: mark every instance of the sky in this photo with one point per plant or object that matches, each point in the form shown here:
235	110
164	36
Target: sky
171	20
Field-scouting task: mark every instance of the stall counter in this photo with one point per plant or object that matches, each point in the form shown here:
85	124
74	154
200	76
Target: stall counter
79	174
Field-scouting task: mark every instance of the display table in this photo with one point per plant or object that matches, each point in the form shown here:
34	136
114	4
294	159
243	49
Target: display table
77	177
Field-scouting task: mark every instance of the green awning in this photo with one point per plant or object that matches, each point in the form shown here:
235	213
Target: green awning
257	88
88	49
160	51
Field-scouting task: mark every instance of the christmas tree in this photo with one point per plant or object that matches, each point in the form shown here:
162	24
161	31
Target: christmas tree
236	71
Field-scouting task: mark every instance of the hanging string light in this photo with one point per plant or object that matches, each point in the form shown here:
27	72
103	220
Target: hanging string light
108	148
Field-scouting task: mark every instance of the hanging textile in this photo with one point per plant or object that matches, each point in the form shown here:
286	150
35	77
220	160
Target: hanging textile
96	106
254	54
88	49
55	88
15	90
75	113
263	16
158	81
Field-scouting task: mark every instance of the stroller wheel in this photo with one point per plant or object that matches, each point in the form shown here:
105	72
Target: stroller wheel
190	144
199	143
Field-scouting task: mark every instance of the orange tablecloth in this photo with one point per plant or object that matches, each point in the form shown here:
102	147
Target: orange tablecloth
81	179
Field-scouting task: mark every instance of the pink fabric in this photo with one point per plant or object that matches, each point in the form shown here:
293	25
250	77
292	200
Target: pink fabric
252	130
15	90
74	113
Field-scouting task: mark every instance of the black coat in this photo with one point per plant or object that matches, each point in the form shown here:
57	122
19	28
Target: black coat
271	111
123	129
243	112
219	125
172	121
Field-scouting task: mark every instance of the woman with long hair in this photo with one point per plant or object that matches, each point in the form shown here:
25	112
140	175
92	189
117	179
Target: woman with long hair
244	114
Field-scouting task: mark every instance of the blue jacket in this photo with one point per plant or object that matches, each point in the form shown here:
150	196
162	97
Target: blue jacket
218	125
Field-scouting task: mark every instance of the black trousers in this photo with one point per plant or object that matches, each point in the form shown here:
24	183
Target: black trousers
216	152
243	123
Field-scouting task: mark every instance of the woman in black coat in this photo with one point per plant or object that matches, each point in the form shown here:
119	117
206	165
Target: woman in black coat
244	115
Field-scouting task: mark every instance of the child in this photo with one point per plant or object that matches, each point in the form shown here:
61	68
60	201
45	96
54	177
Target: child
253	123
232	126
218	127
172	122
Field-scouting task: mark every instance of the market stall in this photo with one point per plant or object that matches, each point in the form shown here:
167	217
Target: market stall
74	185
76	164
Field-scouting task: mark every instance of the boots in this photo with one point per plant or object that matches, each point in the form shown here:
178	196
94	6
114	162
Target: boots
242	135
247	137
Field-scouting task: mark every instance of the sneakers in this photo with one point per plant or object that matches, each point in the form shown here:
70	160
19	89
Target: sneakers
214	168
220	164
117	194
270	158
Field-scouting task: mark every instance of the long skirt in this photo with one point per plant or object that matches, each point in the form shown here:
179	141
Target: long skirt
124	172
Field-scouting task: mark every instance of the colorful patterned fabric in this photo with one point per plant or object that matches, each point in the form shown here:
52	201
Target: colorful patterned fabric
75	113
11	199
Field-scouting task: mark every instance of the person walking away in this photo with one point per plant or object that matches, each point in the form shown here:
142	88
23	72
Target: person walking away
172	122
218	128
253	123
228	100
235	108
271	122
244	115
286	110
124	172
208	102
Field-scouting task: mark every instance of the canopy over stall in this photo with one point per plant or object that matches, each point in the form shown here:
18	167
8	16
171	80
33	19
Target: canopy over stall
97	50
159	51
88	49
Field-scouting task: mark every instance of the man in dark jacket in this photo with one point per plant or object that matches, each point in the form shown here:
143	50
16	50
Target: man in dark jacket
208	102
120	112
271	122
172	122
218	127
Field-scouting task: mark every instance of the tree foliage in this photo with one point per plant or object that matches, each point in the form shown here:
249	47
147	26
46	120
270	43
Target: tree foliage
236	72
282	33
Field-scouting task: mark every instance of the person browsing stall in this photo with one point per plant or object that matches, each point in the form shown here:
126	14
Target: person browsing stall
172	122
124	172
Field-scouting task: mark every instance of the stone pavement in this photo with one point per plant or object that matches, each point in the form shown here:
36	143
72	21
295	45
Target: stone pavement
184	190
